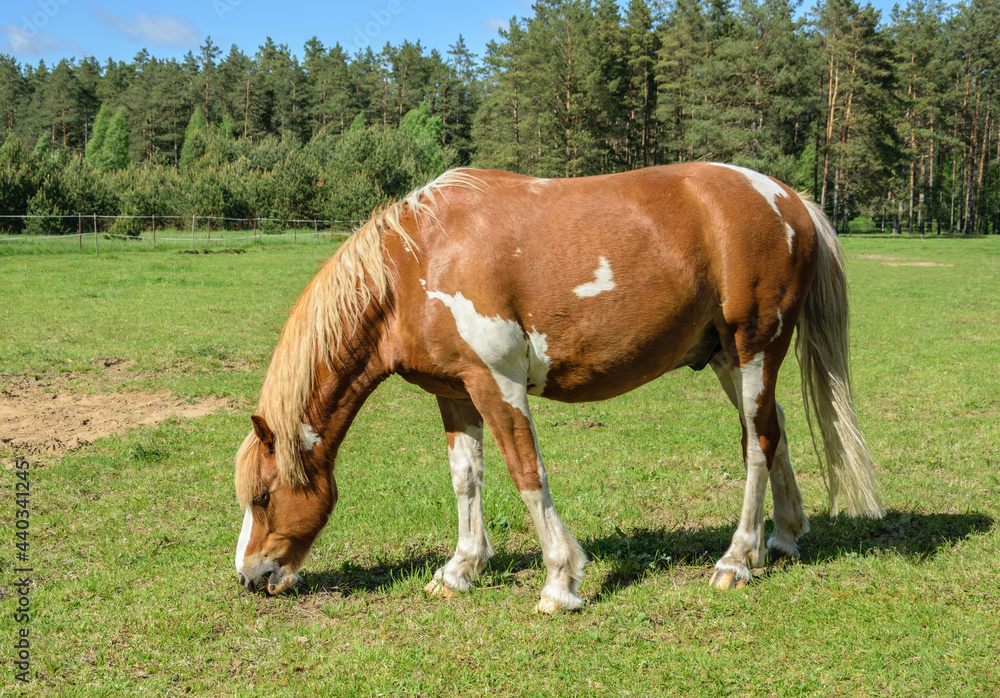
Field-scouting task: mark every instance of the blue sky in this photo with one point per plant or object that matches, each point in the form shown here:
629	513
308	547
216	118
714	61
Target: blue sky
54	29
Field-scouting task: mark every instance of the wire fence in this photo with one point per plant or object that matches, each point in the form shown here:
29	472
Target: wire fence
158	230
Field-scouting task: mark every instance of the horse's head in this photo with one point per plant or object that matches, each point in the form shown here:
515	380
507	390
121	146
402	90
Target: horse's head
281	519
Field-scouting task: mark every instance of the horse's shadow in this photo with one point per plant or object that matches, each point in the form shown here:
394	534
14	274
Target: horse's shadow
630	556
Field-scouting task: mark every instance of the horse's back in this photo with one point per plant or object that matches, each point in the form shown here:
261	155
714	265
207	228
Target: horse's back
623	277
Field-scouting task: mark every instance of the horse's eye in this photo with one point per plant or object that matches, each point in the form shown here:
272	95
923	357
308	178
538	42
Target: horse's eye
261	500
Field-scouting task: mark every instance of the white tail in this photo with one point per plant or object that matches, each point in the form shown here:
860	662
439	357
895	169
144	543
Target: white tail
823	352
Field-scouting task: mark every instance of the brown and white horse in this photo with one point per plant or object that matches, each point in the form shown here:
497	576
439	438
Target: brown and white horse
485	287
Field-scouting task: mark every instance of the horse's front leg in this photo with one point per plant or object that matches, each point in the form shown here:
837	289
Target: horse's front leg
508	417
464	427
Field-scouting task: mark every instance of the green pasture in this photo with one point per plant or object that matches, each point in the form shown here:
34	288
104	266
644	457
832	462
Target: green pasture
133	536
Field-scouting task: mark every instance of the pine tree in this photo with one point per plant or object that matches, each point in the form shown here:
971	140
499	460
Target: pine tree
96	142
500	130
195	139
10	93
115	150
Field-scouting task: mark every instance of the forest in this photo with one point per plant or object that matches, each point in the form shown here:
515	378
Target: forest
891	123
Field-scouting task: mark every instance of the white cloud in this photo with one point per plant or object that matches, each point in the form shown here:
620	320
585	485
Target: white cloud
153	30
494	24
35	42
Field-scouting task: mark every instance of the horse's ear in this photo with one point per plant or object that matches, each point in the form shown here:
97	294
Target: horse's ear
263	432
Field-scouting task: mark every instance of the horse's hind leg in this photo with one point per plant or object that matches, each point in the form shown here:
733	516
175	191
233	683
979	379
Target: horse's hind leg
790	520
464	427
752	386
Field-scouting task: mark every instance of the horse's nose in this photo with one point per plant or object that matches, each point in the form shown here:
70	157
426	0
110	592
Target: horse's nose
243	580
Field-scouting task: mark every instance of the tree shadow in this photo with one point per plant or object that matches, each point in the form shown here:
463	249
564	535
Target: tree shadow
633	555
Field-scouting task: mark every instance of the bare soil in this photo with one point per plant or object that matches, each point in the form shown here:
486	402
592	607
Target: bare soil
891	261
52	414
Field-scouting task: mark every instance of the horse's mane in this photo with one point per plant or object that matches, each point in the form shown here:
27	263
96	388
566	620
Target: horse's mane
328	310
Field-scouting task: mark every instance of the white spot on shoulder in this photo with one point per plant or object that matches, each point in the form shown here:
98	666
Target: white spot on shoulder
513	359
310	439
766	187
241	544
603	281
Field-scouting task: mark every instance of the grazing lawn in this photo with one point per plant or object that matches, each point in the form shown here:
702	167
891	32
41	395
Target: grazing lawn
132	537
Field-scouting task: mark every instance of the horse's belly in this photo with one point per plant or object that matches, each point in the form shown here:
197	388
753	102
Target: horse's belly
612	364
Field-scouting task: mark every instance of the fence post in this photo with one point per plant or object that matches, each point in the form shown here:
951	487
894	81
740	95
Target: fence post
154	231
316	228
97	247
192	231
79	228
210	231
295	231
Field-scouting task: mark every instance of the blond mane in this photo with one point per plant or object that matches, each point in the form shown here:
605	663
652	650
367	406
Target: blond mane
329	310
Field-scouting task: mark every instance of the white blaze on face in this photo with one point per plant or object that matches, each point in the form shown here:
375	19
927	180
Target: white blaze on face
241	544
603	281
513	359
766	187
309	438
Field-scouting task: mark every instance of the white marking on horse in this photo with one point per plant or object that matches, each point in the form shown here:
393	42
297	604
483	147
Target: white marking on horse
465	459
310	439
502	346
766	187
603	281
241	544
781	324
539	362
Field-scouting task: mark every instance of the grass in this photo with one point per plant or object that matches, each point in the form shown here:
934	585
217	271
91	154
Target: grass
133	536
173	239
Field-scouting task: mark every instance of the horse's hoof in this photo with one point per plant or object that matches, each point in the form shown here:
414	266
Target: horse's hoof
551	607
726	580
437	588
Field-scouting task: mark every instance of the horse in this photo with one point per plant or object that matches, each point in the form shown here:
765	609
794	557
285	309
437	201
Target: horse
483	287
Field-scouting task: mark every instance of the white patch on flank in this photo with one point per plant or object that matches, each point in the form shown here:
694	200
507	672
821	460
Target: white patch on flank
309	438
502	346
241	544
423	283
603	281
766	187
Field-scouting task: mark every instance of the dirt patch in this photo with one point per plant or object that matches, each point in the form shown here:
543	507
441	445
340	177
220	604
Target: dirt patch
50	415
894	261
917	264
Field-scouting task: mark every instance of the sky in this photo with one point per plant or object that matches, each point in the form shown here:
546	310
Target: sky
31	30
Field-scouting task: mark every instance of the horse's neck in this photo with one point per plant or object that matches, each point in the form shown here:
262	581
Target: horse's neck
342	389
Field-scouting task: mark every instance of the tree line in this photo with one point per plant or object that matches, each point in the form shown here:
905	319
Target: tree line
891	121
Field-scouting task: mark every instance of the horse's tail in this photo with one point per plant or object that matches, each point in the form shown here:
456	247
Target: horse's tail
822	349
